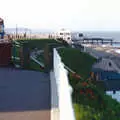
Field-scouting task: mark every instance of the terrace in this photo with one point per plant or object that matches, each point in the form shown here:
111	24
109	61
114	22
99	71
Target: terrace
28	92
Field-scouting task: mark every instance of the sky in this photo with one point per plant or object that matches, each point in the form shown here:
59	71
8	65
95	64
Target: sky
99	15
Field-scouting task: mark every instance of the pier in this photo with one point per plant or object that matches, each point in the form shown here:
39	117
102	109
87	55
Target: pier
95	41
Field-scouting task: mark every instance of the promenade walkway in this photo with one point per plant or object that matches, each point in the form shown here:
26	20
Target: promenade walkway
24	95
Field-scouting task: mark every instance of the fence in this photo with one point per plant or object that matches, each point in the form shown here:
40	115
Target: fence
64	90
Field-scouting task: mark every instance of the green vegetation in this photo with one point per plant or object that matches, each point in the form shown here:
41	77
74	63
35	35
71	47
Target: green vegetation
38	43
35	66
91	103
79	62
33	44
83	112
41	58
89	99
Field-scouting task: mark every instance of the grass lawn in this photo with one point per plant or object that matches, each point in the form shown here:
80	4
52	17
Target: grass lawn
79	62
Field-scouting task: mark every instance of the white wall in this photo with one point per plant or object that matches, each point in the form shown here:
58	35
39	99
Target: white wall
64	90
65	35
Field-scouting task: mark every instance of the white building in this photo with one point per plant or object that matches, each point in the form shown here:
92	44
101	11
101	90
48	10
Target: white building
64	34
76	36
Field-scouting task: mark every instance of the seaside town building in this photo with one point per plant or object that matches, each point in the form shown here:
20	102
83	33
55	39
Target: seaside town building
64	34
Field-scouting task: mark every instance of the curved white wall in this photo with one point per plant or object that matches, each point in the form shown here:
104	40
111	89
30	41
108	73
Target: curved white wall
64	90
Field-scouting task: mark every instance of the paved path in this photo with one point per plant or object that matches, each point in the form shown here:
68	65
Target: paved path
24	95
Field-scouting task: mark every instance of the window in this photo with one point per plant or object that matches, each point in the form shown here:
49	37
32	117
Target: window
67	33
61	33
110	64
68	38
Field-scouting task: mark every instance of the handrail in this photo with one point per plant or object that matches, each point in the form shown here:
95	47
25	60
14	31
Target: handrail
41	64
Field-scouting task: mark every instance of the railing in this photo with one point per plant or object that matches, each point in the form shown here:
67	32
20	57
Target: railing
64	90
16	54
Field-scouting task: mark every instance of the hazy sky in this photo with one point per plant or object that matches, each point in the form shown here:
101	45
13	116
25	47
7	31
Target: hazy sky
57	14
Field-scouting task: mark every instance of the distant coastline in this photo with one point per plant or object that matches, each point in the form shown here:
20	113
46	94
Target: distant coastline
115	35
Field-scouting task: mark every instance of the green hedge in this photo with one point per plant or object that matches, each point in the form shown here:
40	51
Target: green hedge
79	62
97	106
37	43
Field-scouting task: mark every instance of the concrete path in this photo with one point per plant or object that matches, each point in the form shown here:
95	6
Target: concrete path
24	95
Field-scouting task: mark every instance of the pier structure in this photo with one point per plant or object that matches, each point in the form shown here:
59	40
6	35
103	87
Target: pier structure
95	41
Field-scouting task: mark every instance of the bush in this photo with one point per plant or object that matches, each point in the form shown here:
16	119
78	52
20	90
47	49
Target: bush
79	62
